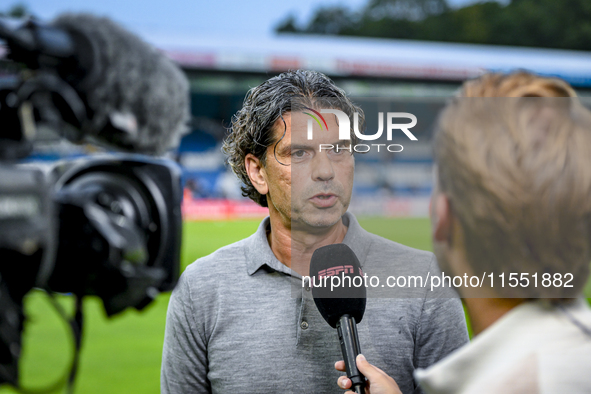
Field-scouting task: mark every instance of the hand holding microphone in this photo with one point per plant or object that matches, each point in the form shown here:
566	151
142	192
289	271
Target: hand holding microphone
378	382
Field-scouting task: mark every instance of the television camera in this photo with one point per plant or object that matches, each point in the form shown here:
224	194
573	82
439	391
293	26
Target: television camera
108	226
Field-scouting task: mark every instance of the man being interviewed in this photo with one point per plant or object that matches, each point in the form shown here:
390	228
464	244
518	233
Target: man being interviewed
234	324
512	198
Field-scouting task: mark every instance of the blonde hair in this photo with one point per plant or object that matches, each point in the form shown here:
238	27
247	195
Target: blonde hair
514	160
518	84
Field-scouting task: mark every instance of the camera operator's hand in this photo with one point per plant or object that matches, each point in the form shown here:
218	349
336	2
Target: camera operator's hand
377	380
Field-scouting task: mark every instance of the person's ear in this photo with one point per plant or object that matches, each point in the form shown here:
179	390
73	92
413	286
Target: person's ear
443	217
257	174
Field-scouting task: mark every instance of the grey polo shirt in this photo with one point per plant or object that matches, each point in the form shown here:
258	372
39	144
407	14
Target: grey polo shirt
234	326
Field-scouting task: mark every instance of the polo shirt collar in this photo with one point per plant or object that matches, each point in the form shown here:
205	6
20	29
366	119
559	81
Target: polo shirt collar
259	253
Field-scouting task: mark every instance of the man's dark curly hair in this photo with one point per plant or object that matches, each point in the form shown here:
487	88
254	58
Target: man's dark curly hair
251	130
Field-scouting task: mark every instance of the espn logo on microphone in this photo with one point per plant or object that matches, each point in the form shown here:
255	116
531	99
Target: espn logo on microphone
346	269
335	271
339	276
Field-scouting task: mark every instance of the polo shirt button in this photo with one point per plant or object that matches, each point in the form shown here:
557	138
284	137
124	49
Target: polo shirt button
304	325
307	288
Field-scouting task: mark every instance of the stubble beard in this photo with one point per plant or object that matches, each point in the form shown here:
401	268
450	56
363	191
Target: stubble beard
305	215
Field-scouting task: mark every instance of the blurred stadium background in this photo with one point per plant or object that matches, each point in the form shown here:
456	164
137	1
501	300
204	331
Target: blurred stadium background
391	192
380	74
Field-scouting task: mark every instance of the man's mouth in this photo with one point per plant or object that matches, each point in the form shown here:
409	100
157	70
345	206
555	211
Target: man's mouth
324	200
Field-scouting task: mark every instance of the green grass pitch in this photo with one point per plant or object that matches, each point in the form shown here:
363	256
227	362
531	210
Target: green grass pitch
122	354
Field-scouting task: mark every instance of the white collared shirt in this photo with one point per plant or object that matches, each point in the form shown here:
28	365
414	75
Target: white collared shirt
534	348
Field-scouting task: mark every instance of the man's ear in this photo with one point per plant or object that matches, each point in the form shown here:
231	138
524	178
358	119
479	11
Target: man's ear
443	218
257	174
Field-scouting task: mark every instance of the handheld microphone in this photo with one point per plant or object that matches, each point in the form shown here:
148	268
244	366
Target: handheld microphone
340	296
112	86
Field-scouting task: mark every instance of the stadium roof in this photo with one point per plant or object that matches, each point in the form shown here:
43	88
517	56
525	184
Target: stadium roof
353	56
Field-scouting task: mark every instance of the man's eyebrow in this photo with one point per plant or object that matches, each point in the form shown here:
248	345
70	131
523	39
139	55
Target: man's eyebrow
300	146
341	143
284	150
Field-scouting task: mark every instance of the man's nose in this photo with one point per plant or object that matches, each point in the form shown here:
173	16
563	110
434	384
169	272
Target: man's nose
322	169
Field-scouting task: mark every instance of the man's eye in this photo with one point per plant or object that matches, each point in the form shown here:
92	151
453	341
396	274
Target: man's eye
299	153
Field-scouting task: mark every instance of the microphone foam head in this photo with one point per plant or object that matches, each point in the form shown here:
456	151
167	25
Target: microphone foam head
337	283
128	76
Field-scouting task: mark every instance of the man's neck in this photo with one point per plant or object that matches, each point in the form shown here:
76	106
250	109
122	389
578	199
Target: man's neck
294	246
484	312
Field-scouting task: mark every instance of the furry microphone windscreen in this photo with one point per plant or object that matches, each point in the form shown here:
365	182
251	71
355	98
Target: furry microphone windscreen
126	76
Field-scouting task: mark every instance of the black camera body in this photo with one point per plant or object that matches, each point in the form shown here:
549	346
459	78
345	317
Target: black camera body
28	236
120	229
107	225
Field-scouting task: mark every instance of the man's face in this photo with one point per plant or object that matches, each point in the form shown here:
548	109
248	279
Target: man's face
310	188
